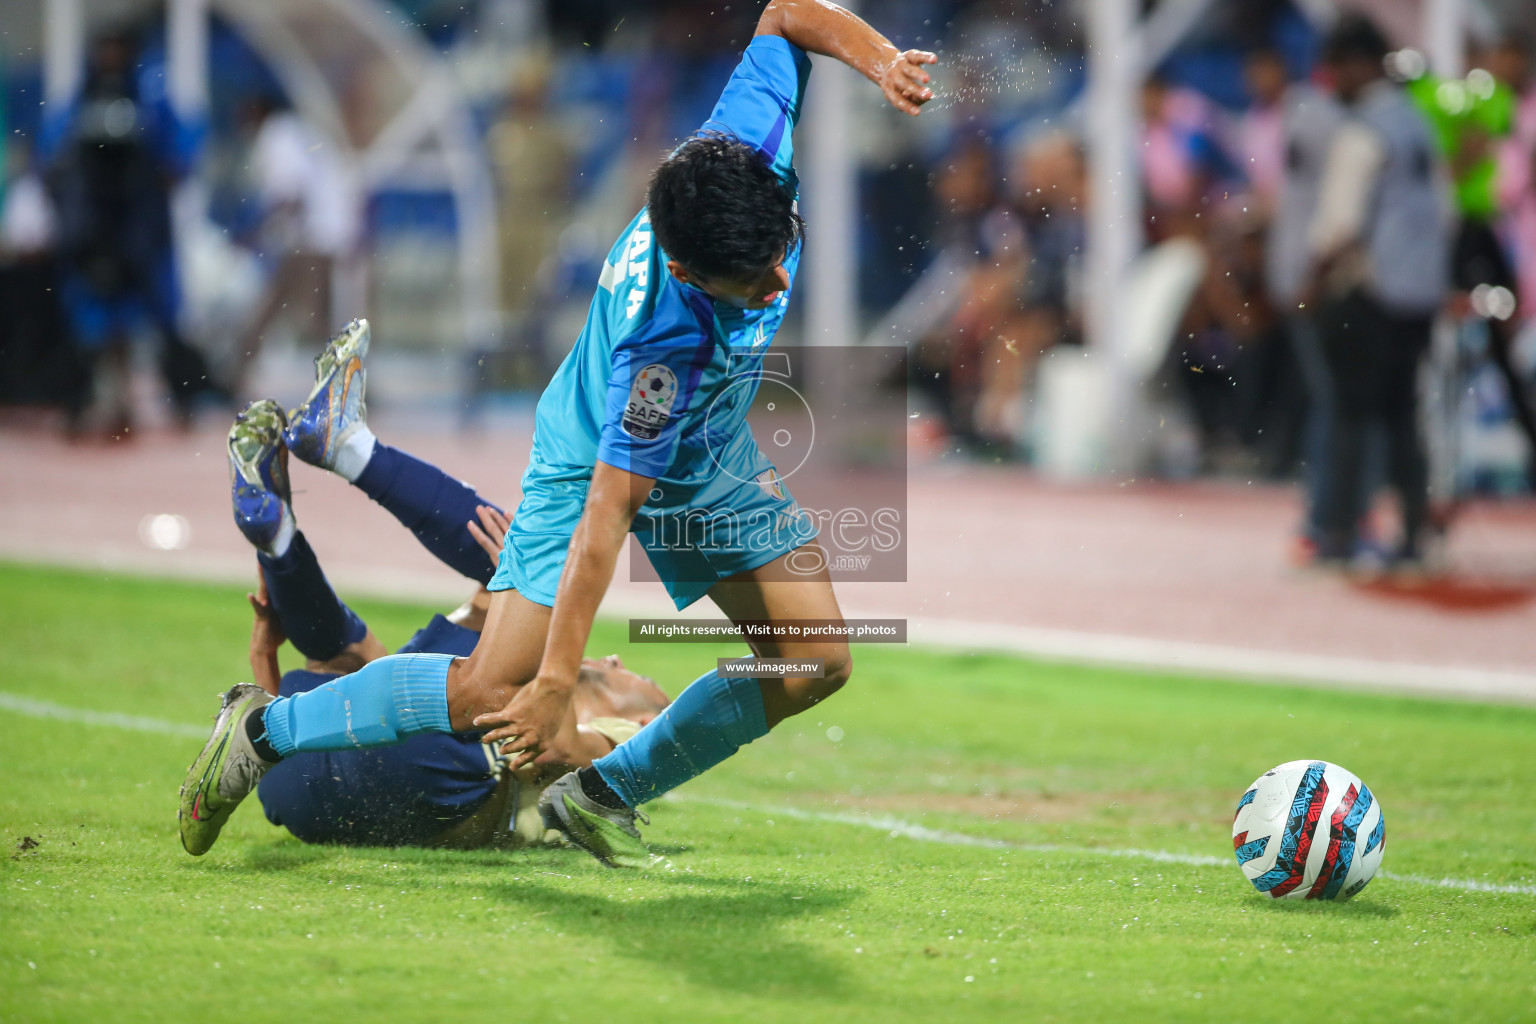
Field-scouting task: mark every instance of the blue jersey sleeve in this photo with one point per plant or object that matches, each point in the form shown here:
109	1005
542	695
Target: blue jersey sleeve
761	102
654	383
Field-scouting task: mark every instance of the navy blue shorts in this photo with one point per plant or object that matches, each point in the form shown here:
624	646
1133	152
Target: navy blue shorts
401	795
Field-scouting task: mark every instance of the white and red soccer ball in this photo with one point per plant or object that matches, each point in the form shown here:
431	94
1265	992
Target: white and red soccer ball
1309	830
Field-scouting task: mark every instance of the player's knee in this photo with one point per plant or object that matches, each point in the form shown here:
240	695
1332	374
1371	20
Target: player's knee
476	689
795	696
837	666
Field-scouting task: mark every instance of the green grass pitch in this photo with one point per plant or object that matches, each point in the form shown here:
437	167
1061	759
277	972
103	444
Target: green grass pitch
799	886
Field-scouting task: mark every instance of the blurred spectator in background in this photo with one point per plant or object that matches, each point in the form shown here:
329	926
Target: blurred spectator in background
38	365
1380	253
1270	392
1004	285
1515	178
1311	116
1261	129
1043	306
1193	161
115	154
1468	117
981	261
994	246
1234	360
533	163
310	226
533	172
1193	186
1182	160
1238	371
27	222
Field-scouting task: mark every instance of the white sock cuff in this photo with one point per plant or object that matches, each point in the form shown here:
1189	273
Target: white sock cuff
353	455
280	544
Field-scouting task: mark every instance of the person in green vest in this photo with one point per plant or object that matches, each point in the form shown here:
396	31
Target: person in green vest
1467	117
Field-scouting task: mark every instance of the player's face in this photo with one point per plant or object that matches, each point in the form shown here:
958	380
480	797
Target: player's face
1352	74
621	693
1265	74
758	292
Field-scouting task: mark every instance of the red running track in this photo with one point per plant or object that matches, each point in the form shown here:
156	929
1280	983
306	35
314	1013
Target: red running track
1191	576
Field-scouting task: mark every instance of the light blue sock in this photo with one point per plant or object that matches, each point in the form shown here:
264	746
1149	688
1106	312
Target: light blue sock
381	703
708	723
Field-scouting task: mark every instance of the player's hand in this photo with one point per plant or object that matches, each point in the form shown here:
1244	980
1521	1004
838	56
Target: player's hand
266	631
266	637
491	531
538	720
905	83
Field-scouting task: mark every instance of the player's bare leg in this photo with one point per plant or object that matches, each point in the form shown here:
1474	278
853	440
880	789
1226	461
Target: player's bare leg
775	592
595	808
507	656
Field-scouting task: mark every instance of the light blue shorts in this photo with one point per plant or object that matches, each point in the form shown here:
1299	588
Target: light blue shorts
695	536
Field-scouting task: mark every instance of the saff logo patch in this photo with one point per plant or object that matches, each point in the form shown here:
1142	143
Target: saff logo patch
770	483
650	402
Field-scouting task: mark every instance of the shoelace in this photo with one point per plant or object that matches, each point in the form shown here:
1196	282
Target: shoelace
241	774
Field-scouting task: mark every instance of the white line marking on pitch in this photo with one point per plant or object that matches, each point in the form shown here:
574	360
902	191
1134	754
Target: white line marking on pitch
1150	654
883	823
909	830
80	716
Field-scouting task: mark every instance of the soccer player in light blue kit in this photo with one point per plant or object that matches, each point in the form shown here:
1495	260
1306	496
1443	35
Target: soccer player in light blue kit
643	429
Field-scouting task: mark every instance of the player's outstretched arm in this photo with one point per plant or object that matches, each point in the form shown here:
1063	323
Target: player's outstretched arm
825	28
539	720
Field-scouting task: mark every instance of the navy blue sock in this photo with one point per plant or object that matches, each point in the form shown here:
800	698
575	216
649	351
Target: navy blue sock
316	621
431	504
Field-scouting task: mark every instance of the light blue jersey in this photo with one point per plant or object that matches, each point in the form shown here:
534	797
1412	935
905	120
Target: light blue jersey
659	383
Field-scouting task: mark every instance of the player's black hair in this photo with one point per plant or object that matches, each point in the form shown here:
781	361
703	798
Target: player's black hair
1354	36
719	210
